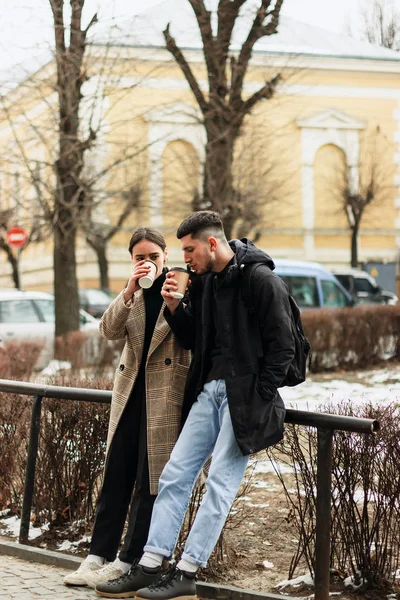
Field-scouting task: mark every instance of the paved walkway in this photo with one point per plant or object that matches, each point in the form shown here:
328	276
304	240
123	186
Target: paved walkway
23	580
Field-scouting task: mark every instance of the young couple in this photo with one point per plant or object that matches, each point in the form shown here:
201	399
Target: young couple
229	405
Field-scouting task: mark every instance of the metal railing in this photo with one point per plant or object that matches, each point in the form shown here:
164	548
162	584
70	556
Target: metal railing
325	423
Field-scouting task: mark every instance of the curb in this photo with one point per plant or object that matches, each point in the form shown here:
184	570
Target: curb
39	555
210	591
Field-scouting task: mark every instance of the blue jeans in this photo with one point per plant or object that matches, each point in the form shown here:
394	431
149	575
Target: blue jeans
208	430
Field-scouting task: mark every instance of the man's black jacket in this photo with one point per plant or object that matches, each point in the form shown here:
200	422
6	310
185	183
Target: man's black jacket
253	374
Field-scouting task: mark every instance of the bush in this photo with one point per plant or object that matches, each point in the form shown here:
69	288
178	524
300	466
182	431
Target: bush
365	531
83	350
350	338
17	360
70	456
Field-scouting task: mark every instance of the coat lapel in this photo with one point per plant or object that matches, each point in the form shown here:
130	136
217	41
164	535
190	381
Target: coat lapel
139	319
160	332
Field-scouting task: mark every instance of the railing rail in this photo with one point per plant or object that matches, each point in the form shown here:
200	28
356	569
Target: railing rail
325	423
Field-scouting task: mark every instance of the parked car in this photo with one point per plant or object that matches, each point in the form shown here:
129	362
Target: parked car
364	287
30	316
311	285
94	301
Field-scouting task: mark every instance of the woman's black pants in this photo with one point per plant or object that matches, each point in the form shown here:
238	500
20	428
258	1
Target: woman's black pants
126	468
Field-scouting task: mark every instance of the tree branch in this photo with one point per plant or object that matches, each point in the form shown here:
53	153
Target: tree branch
186	70
203	17
265	93
257	31
227	14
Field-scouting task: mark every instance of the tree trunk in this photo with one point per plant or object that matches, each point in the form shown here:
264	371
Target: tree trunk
103	268
100	247
354	245
218	180
14	262
65	281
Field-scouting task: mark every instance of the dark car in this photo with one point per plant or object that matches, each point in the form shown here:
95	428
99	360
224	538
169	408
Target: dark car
94	301
364	287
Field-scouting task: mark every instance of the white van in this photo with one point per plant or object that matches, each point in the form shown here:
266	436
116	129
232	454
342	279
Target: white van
311	285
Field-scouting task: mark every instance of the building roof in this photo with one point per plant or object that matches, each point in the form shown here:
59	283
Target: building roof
293	37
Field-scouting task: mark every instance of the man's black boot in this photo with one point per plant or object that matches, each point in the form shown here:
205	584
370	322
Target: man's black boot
173	584
127	585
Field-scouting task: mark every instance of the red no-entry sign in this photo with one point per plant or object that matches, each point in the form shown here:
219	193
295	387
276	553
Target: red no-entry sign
17	237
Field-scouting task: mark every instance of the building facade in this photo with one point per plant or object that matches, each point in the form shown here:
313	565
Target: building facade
332	126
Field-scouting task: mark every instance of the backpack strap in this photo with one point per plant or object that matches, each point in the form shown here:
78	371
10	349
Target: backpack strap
248	299
247	292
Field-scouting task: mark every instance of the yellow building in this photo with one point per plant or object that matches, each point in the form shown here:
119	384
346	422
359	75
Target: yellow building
337	112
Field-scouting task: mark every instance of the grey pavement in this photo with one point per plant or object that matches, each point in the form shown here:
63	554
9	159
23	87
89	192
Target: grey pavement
23	580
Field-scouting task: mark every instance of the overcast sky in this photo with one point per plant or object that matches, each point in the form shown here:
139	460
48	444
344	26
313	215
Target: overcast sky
25	26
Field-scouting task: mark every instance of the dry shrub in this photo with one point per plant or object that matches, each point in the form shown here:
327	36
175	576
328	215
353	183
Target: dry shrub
70	456
350	338
14	431
88	350
365	496
17	359
70	347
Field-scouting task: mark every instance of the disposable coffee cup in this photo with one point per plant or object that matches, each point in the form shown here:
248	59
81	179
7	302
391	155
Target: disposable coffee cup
182	277
147	280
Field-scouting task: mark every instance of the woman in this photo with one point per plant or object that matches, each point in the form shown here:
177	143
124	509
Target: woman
145	415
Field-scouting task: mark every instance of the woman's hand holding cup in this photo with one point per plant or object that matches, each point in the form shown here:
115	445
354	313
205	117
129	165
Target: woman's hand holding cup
140	269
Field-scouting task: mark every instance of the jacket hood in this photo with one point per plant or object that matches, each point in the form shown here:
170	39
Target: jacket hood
247	253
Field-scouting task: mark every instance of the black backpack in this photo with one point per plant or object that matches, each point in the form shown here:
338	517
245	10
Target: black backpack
297	370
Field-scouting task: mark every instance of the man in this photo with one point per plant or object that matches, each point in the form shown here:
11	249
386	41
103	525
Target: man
232	386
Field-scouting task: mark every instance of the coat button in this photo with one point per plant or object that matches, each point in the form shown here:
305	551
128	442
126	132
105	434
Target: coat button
121	367
168	361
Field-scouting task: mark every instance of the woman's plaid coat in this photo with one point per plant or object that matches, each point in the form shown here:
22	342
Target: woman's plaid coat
166	369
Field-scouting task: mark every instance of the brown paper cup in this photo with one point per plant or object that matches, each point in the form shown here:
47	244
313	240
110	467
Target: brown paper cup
148	280
182	277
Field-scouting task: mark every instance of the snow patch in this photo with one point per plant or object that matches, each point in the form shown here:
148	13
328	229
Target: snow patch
54	366
12	525
297	582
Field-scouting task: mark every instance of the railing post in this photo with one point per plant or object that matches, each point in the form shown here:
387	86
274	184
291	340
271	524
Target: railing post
323	515
30	469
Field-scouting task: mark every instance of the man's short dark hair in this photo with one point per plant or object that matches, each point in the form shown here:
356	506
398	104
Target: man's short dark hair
200	222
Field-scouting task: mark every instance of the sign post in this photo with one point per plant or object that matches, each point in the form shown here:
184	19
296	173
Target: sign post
17	237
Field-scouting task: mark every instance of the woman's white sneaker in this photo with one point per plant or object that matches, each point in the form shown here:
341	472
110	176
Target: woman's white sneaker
105	573
78	576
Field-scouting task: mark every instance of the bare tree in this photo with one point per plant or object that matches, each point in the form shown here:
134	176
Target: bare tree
362	185
381	24
80	163
223	107
12	257
69	194
20	209
99	233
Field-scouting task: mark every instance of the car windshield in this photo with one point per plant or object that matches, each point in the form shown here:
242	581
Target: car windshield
96	296
46	307
333	295
364	285
303	290
18	311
